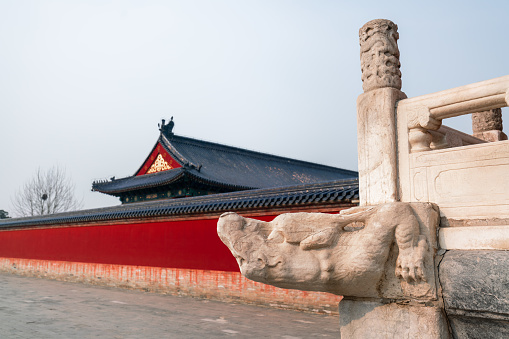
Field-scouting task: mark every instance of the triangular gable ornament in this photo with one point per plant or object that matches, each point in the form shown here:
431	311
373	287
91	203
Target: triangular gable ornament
159	160
159	165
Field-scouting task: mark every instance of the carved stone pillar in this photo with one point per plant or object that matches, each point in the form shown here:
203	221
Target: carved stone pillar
487	125
376	125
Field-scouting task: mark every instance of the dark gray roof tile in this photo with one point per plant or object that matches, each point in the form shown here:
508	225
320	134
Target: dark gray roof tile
230	167
342	191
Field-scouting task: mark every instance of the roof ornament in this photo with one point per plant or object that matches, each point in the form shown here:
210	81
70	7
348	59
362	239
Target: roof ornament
166	129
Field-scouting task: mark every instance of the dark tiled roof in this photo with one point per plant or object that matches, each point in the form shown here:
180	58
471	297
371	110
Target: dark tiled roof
154	180
301	195
228	167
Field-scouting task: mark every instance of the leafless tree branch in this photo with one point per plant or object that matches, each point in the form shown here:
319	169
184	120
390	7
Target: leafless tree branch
46	193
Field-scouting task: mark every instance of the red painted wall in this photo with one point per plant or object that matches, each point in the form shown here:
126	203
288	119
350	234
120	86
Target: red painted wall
191	244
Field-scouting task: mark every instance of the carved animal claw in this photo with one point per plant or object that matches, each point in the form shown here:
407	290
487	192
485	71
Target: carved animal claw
410	264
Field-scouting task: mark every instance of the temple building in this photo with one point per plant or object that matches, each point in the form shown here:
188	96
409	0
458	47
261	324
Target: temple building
163	237
179	167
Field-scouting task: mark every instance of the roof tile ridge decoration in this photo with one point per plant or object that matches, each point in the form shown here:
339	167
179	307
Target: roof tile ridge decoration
257	154
176	154
329	192
346	183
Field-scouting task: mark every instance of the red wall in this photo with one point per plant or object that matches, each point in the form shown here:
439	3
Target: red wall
191	244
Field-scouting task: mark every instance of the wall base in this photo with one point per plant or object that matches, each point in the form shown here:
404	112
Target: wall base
216	285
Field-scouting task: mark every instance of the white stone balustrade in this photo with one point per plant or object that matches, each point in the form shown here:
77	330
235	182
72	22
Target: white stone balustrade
426	112
469	182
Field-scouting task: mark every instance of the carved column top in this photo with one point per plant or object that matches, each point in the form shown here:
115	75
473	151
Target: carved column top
487	120
380	55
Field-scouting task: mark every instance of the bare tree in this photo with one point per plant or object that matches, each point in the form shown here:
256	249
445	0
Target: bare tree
46	193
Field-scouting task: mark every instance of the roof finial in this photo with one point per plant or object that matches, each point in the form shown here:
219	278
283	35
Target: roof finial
166	129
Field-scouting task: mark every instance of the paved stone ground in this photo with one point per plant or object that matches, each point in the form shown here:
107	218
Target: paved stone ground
40	308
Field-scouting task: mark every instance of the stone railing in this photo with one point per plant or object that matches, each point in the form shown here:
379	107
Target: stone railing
446	137
425	113
466	182
416	177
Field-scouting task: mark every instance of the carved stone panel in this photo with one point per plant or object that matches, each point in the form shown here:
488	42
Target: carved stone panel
469	182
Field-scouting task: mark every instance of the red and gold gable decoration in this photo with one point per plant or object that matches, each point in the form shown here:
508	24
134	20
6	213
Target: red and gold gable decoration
158	161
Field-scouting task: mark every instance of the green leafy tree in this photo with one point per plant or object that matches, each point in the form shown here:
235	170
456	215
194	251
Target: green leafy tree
4	214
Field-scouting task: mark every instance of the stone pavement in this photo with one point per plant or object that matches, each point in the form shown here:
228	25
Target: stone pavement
40	308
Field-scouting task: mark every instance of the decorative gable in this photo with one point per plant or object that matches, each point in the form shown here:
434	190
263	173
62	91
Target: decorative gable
159	165
159	160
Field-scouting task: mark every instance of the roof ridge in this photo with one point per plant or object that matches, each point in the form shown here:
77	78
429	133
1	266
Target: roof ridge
173	151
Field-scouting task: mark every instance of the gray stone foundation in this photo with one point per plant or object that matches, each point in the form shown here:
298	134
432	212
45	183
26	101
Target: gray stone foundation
475	286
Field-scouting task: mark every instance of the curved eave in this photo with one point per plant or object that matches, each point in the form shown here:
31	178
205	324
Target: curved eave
119	186
147	181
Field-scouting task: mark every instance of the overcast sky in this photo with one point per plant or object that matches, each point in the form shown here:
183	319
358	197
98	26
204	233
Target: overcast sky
83	84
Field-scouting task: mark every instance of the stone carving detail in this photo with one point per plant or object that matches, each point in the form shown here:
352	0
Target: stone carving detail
420	122
349	254
487	120
380	55
487	125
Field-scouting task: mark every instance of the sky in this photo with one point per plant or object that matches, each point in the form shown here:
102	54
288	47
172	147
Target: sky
83	84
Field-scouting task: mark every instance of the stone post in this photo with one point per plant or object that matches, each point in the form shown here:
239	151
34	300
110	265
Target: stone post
407	315
487	125
376	125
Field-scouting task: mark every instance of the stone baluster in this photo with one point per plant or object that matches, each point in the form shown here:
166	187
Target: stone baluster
487	125
420	123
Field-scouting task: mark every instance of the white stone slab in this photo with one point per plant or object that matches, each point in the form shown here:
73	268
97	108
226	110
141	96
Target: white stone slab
474	238
469	182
